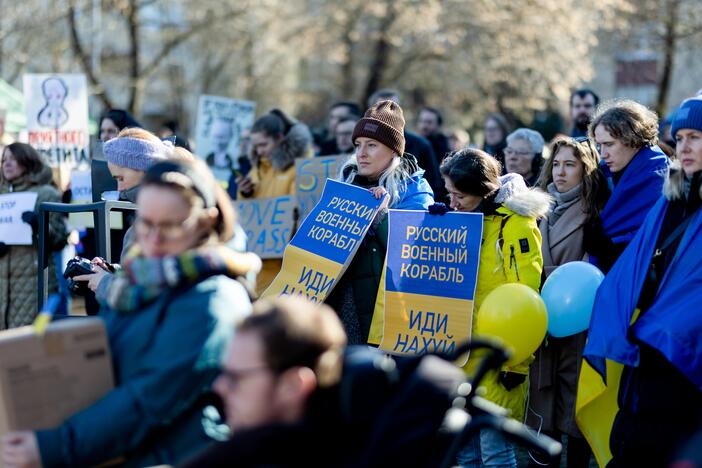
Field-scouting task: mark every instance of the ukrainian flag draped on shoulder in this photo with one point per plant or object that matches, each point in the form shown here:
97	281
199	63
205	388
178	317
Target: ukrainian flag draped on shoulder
672	324
637	190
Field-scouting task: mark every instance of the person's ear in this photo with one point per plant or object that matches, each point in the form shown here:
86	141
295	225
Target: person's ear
298	383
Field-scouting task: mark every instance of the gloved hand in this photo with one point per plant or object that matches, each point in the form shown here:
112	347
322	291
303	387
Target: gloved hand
511	380
438	209
31	218
4	248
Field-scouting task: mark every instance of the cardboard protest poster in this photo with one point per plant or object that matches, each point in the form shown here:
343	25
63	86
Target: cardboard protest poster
221	123
81	192
326	242
310	177
268	223
56	106
430	277
14	231
46	378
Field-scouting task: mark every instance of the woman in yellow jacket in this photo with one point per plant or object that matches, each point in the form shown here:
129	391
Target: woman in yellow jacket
276	141
510	253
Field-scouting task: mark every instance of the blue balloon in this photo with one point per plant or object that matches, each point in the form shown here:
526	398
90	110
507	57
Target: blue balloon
569	294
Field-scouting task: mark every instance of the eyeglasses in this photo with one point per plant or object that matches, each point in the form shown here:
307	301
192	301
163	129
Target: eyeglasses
232	378
511	152
584	139
168	231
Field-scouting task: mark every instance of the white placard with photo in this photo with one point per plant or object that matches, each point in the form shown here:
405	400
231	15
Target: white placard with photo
221	122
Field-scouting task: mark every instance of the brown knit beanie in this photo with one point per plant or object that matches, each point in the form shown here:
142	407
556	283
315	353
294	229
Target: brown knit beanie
385	123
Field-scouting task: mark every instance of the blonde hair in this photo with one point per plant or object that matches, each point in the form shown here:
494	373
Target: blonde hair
674	184
139	134
393	179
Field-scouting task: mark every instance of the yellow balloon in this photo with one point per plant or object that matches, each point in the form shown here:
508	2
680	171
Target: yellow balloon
516	315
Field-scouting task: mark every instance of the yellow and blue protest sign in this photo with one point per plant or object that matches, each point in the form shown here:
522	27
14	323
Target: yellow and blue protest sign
326	242
430	277
310	177
268	223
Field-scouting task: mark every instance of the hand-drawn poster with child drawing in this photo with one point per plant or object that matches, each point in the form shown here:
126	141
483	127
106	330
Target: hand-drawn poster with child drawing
56	106
220	124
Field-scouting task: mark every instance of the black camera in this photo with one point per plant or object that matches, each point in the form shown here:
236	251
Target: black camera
78	266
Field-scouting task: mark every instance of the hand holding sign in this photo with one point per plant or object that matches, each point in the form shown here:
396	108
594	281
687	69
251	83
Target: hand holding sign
30	217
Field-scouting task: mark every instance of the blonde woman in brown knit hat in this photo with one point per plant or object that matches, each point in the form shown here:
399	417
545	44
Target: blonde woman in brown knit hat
380	165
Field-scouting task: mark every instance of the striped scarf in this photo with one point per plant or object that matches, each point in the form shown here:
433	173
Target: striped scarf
142	279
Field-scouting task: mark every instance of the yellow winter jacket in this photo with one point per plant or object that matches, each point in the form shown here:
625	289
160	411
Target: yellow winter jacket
510	253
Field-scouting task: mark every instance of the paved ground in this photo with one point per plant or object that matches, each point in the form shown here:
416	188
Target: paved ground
523	458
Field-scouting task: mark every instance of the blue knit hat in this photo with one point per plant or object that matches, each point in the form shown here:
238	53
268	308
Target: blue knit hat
134	153
688	116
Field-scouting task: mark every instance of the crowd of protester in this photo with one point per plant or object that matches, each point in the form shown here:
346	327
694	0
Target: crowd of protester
606	194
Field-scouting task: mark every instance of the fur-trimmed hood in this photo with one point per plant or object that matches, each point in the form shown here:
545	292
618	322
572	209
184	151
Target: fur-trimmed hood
42	177
517	197
295	144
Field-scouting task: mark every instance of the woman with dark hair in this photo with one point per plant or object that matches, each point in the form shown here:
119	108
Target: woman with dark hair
276	141
510	253
580	191
169	314
380	165
24	171
114	121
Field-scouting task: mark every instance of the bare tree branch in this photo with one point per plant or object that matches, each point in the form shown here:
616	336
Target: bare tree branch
183	36
84	59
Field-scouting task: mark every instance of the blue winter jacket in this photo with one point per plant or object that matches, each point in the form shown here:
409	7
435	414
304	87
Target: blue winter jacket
165	358
418	195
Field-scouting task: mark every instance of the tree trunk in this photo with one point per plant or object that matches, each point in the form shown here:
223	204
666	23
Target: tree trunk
347	67
84	60
381	55
135	86
669	44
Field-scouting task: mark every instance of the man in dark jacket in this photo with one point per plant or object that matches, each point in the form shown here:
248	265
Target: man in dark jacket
583	103
338	112
417	146
275	381
429	125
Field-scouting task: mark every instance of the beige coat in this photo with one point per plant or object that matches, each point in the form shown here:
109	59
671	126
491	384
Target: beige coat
554	373
563	242
18	268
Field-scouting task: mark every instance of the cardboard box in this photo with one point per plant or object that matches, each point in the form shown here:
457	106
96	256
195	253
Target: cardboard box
45	379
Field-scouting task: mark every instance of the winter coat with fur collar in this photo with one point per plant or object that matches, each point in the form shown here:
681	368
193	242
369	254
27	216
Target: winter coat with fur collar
18	267
510	253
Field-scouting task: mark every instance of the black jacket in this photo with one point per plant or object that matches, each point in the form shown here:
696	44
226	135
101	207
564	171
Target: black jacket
421	149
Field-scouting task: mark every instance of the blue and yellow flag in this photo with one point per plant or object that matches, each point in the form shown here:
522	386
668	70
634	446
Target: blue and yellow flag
430	277
671	324
326	242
